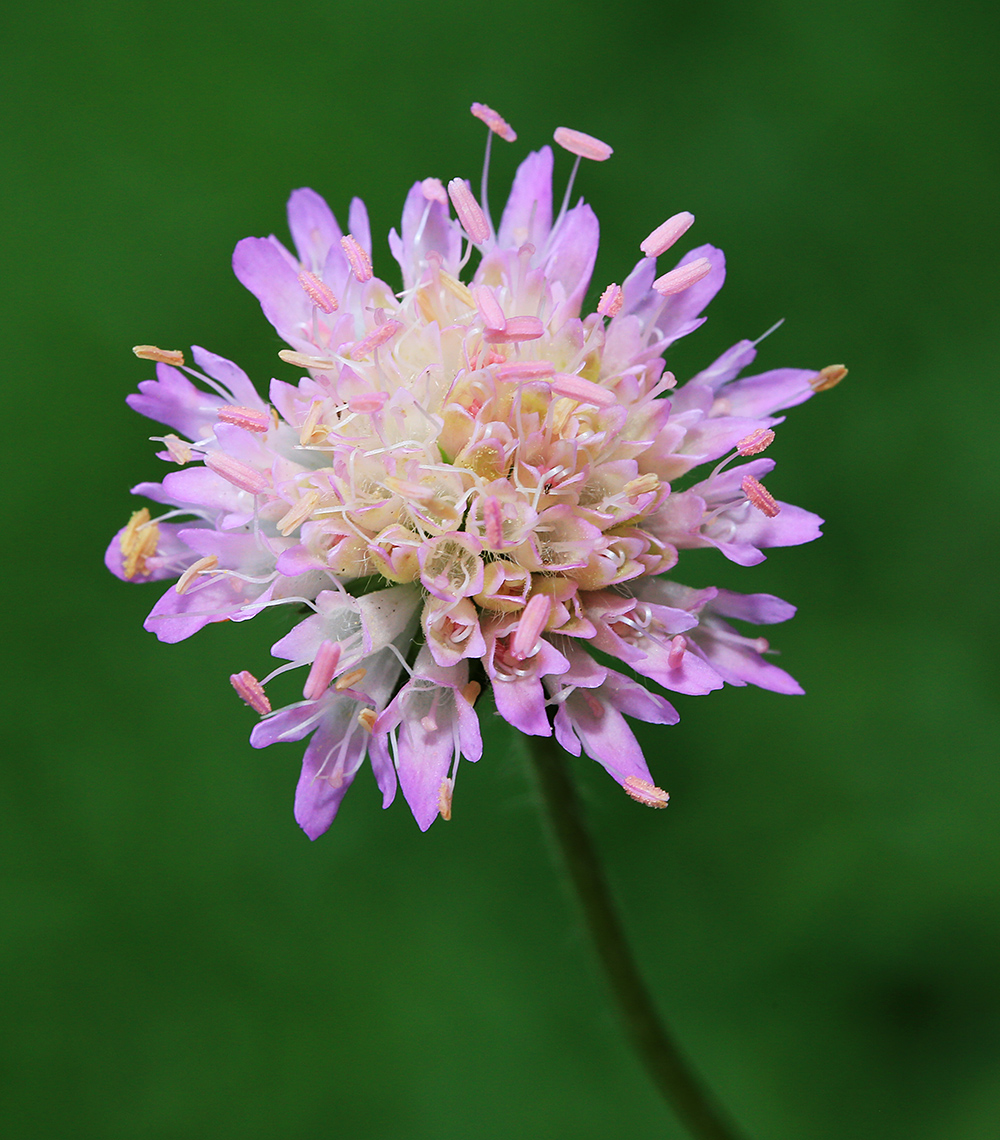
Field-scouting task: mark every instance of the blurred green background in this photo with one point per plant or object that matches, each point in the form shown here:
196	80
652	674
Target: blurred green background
818	910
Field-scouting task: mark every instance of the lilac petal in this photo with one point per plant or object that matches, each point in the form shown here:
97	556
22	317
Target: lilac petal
729	365
288	724
438	234
569	259
173	400
761	609
329	766
360	229
172	556
314	228
527	217
680	313
606	738
230	375
261	268
383	767
768	392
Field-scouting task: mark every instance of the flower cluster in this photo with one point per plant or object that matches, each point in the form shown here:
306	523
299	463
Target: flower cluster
472	485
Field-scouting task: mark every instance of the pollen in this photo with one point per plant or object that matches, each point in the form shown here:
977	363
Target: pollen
209	562
160	355
828	377
760	496
350	679
138	542
643	792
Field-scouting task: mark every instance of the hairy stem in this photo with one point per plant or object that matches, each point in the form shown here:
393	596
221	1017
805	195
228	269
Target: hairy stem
669	1070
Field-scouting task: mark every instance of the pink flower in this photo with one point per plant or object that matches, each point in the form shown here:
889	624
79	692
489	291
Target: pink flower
470	486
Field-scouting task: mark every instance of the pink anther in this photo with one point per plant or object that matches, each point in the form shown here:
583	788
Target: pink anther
433	190
533	618
248	418
493	522
612	299
368	402
586	146
357	257
516	330
664	236
250	690
683	277
760	496
469	212
318	292
489	308
678	647
237	473
643	792
525	370
375	339
322	670
756	442
584	391
497	124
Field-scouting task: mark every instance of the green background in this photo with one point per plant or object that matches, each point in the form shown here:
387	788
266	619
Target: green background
817	911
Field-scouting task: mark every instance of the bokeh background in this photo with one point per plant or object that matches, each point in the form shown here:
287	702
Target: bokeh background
817	911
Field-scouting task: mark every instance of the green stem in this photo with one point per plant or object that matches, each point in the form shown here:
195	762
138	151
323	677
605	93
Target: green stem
669	1070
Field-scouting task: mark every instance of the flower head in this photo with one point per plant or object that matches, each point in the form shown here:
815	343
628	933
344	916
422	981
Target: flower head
473	484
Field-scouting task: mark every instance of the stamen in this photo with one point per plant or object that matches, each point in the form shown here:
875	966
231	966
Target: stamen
368	402
612	299
469	214
237	473
471	692
303	360
367	718
160	355
180	451
678	647
375	339
525	370
184	581
683	277
322	670
828	377
493	521
247	418
517	329
456	288
350	679
586	146
755	442
444	797
643	792
584	391
433	190
495	122
664	236
760	496
489	307
533	618
138	542
297	514
357	256
250	690
319	292
418	492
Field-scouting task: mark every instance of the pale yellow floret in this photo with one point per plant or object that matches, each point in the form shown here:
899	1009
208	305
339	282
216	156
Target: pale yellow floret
138	542
457	289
